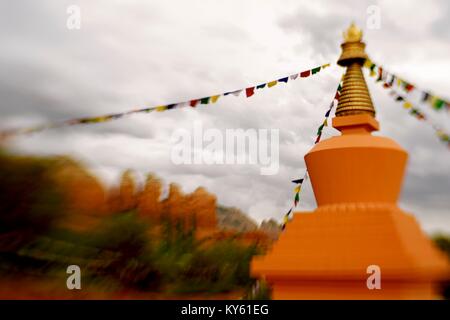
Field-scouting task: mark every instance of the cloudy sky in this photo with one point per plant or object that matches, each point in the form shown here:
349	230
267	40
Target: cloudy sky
131	54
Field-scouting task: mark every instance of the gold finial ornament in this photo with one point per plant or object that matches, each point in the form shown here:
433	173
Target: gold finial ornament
355	97
353	34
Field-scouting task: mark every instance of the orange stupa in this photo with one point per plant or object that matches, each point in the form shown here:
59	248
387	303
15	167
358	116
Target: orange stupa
330	253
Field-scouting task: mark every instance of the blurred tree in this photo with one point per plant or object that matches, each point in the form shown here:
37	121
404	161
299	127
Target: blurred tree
442	241
124	198
124	236
149	204
30	199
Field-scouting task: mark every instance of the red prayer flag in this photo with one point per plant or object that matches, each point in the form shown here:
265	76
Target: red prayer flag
305	74
337	96
193	103
318	138
250	91
409	87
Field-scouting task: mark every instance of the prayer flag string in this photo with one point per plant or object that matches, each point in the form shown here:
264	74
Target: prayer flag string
298	182
249	91
389	80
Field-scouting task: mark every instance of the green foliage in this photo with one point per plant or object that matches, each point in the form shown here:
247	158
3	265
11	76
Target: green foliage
442	241
218	267
118	253
123	242
123	233
191	266
30	201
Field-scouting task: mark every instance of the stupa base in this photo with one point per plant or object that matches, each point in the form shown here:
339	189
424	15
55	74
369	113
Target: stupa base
325	254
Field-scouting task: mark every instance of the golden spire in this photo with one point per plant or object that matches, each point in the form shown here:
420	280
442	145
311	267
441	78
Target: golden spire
355	97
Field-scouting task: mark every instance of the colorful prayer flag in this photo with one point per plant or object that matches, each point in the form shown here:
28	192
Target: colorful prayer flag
409	87
285	80
215	98
272	83
337	96
438	104
407	105
318	138
372	70
315	70
380	74
298	181
319	130
193	103
305	74
250	91
204	100
296	199
261	86
294	76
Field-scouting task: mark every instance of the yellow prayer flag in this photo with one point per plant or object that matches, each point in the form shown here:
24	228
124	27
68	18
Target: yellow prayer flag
297	189
367	63
161	108
214	98
325	123
433	100
103	119
399	82
325	65
407	105
272	83
285	219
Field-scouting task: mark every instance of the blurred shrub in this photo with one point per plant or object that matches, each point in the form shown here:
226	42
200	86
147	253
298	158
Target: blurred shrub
123	241
442	241
30	201
193	266
218	267
118	252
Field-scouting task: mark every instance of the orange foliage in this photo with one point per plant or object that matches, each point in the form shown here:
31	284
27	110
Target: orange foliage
124	198
149	205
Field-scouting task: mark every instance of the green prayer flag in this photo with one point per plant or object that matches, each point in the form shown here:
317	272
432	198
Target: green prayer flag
319	130
315	70
438	104
204	100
